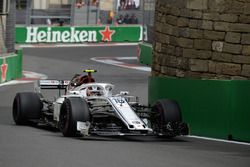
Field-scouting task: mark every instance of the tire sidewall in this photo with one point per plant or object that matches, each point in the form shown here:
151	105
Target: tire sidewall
165	111
169	111
26	106
74	109
16	112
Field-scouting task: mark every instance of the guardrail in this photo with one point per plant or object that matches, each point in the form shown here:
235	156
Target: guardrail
145	54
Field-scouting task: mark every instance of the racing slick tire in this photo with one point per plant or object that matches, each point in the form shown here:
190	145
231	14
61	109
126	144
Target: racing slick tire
73	109
167	112
26	106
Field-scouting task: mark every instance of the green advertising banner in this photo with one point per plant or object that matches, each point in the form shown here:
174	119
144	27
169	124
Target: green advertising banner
78	34
11	67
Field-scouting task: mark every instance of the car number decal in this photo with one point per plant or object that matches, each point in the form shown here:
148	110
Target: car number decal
124	109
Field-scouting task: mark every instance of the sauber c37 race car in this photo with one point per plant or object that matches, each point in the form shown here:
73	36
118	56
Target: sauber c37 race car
90	108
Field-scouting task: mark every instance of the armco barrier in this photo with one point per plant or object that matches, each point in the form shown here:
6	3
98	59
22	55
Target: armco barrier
78	34
145	53
11	66
213	108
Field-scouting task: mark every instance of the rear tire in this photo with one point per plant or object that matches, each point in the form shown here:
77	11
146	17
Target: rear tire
73	109
26	106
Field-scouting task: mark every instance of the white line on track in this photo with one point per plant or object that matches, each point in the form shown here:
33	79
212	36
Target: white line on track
126	58
28	78
219	140
115	61
34	75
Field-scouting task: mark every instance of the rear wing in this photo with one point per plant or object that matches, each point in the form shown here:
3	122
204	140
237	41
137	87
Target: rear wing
51	84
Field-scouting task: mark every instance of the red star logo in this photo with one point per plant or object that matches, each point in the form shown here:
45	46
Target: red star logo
4	68
107	34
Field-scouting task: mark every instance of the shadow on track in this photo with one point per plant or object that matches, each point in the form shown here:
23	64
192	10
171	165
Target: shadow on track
131	139
149	138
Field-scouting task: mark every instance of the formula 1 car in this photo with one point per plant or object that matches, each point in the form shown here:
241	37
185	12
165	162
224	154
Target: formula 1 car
90	108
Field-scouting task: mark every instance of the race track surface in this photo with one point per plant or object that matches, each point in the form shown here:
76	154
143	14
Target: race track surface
22	146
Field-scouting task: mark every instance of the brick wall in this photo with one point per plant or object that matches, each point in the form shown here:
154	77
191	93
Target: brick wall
207	39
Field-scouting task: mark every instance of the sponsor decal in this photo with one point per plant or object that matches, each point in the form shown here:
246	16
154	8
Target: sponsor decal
107	34
70	35
4	68
34	35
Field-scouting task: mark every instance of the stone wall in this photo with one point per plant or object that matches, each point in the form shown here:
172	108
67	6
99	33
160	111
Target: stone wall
207	39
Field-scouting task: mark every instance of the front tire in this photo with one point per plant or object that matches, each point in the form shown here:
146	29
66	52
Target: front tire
73	109
26	106
167	116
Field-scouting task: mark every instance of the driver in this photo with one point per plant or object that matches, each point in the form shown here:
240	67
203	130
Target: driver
94	91
78	80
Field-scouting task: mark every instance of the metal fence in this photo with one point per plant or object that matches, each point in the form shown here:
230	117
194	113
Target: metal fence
148	20
39	12
87	12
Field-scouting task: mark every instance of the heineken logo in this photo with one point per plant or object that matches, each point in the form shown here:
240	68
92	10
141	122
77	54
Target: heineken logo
70	35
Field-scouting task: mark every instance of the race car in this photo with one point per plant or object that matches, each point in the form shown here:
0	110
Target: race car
90	108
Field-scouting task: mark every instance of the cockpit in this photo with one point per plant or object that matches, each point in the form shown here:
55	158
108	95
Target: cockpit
93	90
79	79
86	86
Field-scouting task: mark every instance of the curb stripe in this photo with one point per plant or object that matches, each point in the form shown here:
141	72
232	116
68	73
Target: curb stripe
29	77
115	61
